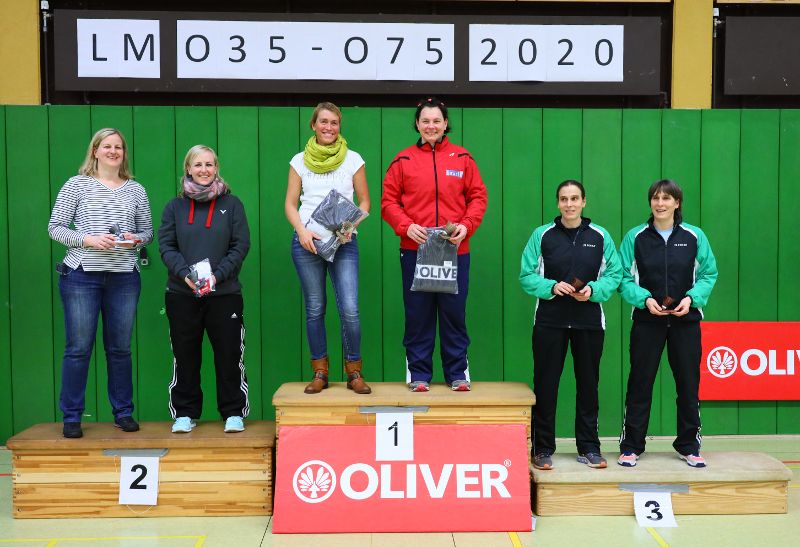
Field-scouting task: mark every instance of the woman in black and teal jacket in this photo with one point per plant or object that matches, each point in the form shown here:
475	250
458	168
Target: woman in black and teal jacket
668	273
571	266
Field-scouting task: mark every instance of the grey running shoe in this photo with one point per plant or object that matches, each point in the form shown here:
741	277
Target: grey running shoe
543	460
419	386
593	459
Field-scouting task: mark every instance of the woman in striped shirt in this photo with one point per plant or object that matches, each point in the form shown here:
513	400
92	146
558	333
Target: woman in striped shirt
103	217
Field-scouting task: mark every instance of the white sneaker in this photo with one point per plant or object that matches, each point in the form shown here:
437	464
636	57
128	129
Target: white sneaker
184	424
234	424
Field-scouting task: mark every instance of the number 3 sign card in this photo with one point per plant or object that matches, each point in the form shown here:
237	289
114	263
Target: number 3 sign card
138	480
654	509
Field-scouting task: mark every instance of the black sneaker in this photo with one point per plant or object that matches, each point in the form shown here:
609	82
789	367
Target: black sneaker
126	424
72	430
593	459
543	460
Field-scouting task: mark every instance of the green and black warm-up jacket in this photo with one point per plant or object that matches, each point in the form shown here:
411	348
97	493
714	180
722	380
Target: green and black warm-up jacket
553	255
684	265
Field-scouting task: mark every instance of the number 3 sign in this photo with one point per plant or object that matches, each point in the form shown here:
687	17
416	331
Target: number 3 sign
138	480
654	509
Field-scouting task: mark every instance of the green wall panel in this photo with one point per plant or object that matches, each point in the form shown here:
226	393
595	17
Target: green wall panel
720	192
281	317
238	148
602	177
154	166
30	289
6	415
788	412
522	213
758	241
741	163
483	138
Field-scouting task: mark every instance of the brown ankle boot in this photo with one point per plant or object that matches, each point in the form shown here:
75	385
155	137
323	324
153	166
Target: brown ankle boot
320	380
354	379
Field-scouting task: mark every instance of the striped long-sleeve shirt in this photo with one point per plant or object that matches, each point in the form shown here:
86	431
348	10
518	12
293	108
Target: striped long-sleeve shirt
85	206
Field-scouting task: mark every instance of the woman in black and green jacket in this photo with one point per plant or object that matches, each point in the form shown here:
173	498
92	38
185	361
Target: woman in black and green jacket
668	273
571	266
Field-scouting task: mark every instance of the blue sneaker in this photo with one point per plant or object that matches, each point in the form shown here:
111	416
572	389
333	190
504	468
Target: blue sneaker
234	424
184	424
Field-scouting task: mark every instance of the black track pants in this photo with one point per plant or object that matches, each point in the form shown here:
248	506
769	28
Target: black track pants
221	318
683	350
549	352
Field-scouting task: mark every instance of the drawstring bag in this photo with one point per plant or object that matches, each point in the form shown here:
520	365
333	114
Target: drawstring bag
334	219
437	264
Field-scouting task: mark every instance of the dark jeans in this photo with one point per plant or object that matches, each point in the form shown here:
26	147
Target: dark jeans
313	272
85	295
422	311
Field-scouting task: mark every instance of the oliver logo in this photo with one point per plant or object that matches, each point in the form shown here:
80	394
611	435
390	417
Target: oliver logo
721	362
314	481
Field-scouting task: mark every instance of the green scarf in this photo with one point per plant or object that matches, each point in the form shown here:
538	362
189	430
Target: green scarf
324	159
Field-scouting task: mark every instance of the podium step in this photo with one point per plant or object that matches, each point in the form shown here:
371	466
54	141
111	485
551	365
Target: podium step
487	403
203	473
732	483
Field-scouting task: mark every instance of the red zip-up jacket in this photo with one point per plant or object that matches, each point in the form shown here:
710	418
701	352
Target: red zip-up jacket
431	187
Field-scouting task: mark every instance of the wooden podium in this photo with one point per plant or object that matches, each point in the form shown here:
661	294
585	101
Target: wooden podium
203	473
487	403
733	483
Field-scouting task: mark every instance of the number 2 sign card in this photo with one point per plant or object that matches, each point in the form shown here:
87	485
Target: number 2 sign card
138	480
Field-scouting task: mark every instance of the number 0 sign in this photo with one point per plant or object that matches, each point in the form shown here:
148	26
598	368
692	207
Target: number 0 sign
138	480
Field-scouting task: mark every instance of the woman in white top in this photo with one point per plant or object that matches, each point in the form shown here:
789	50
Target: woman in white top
324	165
103	216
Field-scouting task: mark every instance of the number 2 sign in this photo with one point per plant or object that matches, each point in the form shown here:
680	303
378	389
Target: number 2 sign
138	480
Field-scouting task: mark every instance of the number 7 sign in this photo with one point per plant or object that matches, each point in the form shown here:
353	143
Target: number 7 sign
138	480
394	436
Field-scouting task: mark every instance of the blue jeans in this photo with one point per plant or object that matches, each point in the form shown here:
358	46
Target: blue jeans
85	295
344	274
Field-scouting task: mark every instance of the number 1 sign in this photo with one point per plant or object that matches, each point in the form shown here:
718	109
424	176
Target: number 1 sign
138	480
394	437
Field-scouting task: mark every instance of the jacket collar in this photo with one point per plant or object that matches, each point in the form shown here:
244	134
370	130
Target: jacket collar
423	145
582	226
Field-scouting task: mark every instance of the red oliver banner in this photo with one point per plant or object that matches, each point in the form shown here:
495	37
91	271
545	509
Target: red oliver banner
463	478
756	361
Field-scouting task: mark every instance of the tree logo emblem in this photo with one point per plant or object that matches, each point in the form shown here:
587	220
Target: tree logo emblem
314	481
722	362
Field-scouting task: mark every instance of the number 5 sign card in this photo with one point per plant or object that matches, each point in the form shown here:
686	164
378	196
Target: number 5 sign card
138	480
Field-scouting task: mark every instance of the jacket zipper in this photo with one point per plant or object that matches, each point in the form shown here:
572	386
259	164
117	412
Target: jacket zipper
436	183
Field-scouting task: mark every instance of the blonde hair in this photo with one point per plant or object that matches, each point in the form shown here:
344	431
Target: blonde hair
89	165
193	152
324	106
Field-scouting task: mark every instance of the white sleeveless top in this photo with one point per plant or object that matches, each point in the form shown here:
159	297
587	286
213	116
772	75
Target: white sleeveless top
316	186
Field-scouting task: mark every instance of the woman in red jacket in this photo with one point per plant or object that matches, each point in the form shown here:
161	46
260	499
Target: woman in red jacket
430	184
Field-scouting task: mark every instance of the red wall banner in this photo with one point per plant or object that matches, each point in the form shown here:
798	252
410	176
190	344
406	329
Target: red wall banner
755	361
463	478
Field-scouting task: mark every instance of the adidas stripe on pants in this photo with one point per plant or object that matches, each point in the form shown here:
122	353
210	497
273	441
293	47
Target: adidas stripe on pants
221	317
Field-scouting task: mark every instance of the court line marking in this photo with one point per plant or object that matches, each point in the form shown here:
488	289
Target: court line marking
5	474
791	461
515	539
657	537
200	540
793	466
